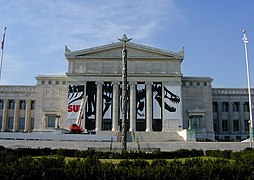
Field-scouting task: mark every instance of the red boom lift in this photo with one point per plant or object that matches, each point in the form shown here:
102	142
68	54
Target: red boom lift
76	127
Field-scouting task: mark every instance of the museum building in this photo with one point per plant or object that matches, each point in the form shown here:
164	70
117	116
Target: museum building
160	98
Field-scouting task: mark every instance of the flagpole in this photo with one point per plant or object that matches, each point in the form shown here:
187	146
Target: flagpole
2	52
245	40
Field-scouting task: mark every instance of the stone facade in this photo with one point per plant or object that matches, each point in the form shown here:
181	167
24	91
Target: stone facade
160	98
231	113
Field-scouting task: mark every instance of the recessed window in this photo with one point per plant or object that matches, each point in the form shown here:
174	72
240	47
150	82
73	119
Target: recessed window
22	123
1	120
246	125
1	104
22	104
236	106
215	107
32	105
10	123
50	82
64	82
57	82
32	123
224	125
246	107
42	82
236	125
11	104
225	106
51	120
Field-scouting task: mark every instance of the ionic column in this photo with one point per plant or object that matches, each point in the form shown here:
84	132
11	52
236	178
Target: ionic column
115	106
242	128
231	117
133	106
16	116
220	117
98	106
5	116
27	116
149	106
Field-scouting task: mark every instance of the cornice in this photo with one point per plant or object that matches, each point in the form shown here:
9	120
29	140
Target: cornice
76	54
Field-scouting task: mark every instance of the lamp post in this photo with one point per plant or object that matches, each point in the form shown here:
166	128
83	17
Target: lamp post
124	40
245	40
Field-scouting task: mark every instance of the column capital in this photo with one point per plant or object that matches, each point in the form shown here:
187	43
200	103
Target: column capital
28	100
132	83
148	83
99	82
115	83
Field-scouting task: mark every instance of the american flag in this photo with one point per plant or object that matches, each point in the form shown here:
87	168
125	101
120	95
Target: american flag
2	46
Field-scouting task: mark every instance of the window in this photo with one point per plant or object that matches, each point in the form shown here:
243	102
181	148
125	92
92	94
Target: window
42	82
22	104
32	105
198	83
10	123
50	82
11	104
1	104
215	126
21	123
224	125
236	106
57	82
236	125
246	107
191	83
1	120
246	125
215	107
64	82
32	123
205	83
51	120
225	106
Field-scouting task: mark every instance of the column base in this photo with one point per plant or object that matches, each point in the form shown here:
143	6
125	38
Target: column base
148	130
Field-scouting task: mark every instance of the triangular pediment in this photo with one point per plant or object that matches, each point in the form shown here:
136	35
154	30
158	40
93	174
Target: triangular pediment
114	50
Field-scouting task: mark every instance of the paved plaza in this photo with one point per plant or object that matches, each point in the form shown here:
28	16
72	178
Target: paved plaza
164	146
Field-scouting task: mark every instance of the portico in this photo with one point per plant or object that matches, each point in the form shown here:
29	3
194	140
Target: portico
150	72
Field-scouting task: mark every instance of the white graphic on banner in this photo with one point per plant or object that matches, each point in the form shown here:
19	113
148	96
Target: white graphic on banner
141	101
172	105
107	100
157	100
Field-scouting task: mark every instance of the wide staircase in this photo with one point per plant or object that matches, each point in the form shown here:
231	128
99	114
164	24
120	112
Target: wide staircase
154	136
141	136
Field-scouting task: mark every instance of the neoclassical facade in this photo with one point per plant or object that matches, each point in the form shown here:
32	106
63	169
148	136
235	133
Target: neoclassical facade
160	98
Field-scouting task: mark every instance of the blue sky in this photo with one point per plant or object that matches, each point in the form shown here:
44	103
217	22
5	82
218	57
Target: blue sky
210	31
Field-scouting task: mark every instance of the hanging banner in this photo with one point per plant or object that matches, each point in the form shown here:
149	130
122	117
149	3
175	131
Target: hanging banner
172	102
75	94
141	101
157	100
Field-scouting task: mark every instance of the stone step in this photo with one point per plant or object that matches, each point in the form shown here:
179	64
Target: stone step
156	137
147	136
